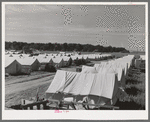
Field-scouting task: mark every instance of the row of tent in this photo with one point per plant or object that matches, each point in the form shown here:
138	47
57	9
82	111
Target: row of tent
24	64
11	52
15	66
101	83
85	56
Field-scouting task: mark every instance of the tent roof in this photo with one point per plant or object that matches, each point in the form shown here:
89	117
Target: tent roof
26	61
104	85
57	59
61	80
45	59
8	61
80	83
74	57
65	58
84	84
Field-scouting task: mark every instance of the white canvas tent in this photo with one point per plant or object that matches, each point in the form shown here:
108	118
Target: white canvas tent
105	86
63	53
44	61
83	84
35	65
67	60
12	66
106	66
61	80
80	57
74	58
58	62
85	57
92	57
28	64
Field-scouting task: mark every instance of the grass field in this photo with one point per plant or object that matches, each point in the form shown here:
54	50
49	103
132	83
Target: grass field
135	89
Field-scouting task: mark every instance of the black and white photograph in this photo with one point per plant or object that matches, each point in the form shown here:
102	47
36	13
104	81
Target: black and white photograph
76	60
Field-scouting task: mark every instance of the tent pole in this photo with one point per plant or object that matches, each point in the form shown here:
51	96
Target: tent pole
98	100
75	98
88	102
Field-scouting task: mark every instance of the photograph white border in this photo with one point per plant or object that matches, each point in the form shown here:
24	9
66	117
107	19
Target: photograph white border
80	114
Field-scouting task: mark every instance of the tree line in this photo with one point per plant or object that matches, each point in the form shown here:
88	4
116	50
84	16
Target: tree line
62	47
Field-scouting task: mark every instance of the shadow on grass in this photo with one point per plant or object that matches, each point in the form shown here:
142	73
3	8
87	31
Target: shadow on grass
129	105
142	70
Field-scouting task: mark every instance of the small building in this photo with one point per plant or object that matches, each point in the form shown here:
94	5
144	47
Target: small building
67	61
12	66
28	64
58	62
63	53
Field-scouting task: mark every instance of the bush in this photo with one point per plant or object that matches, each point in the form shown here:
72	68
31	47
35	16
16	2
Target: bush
125	51
83	62
70	62
50	68
79	62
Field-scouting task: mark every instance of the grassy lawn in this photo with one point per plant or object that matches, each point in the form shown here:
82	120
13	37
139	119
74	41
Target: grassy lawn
135	89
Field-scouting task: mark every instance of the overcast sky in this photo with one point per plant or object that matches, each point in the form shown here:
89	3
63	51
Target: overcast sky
92	24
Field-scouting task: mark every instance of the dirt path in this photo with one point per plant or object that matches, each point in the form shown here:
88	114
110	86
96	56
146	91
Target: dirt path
15	91
26	78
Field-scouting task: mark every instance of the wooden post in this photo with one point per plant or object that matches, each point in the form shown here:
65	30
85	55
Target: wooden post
44	105
31	107
38	106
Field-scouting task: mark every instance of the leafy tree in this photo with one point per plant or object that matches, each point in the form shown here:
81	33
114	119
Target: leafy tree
65	47
85	47
51	46
71	47
62	47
